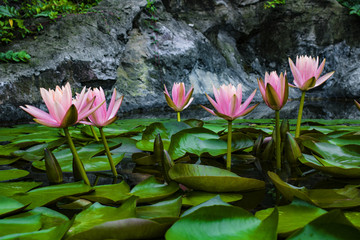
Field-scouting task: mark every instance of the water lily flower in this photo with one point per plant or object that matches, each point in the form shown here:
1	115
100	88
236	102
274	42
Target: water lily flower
228	102
307	72
179	100
59	104
275	90
228	106
103	117
64	112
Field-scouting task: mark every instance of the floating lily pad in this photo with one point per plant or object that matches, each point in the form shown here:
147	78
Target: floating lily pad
11	174
294	216
8	160
165	209
98	214
9	205
194	198
223	222
150	190
8	149
20	225
107	194
348	139
212	179
10	188
340	161
45	195
354	218
332	225
215	201
87	154
346	197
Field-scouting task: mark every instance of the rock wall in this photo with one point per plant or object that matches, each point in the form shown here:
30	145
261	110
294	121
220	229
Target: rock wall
199	42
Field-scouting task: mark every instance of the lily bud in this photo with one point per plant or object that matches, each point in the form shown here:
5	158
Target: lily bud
284	128
257	145
357	104
292	149
53	169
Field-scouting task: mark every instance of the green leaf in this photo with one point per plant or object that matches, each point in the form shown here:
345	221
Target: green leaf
20	225
223	222
11	188
109	194
293	216
339	161
194	198
212	179
346	197
332	225
165	209
11	174
9	205
150	190
97	214
45	195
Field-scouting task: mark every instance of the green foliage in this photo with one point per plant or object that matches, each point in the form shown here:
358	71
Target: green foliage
11	56
17	19
273	3
353	5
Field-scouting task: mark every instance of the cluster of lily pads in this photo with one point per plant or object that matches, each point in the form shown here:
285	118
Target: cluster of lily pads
167	177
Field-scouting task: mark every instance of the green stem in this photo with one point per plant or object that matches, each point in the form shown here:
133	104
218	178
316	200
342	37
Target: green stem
178	117
76	158
228	157
107	151
94	133
298	123
278	140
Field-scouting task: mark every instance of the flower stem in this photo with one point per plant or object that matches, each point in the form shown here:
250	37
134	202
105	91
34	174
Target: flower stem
76	158
94	133
107	151
228	157
278	140
298	123
178	117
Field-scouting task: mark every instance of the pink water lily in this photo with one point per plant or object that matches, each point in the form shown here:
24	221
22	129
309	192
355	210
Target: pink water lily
102	116
228	102
179	100
275	90
307	72
62	111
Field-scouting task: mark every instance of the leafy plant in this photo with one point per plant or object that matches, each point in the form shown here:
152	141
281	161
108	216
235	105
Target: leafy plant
273	3
353	5
11	56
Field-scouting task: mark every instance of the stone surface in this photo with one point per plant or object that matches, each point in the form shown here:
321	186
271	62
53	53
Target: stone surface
198	42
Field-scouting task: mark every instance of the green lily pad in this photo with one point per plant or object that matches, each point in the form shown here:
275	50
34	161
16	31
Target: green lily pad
354	218
8	149
109	194
194	198
45	195
346	197
223	222
20	225
129	228
8	160
201	140
212	179
10	188
36	152
150	190
98	214
293	216
9	205
332	225
87	154
340	161
330	167
11	174
348	139
51	134
215	201
165	209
